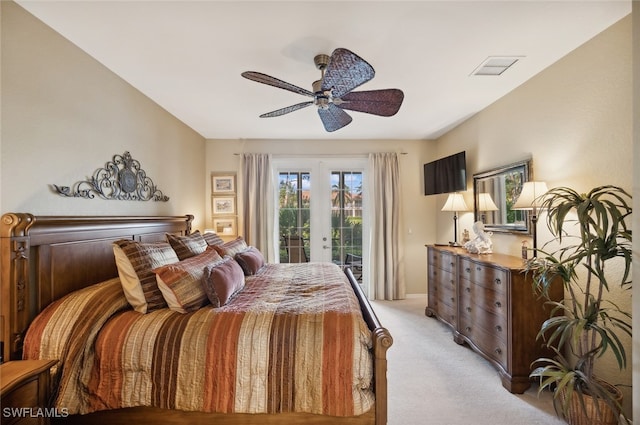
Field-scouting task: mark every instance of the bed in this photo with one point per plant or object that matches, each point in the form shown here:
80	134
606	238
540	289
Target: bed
49	261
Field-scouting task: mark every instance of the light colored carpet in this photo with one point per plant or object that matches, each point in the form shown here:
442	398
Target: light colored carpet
433	380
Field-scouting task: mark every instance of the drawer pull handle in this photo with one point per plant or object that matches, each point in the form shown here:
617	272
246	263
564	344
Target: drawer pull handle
468	328
467	269
453	299
498	304
469	309
498	282
499	328
467	289
479	268
498	351
451	264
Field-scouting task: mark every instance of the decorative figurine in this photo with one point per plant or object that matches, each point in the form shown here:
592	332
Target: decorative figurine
465	236
481	244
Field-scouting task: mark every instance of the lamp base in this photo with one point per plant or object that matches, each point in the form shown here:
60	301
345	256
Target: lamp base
454	244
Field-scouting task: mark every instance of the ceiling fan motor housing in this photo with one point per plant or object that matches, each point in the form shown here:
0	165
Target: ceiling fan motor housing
321	98
321	61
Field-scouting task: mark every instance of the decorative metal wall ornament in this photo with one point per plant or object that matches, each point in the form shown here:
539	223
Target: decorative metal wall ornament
121	179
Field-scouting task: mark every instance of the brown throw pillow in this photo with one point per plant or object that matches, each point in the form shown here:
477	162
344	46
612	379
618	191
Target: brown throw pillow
181	283
187	246
251	260
213	238
135	262
231	248
223	281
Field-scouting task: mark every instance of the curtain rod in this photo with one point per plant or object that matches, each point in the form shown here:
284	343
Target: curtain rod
324	155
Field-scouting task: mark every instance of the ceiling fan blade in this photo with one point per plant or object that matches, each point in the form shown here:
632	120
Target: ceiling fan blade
286	110
333	118
345	71
385	102
272	81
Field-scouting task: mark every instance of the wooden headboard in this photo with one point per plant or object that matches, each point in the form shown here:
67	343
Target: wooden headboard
46	257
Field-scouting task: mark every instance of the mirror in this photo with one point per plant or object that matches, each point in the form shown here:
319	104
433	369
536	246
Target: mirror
503	185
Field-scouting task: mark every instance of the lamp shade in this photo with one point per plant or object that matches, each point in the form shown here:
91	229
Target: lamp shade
485	203
530	196
455	202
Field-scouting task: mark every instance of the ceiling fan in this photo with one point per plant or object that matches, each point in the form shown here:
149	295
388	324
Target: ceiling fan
340	73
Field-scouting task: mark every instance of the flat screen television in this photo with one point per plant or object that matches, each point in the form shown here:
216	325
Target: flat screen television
446	175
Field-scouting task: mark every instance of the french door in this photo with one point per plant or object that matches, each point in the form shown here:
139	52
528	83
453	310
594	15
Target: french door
322	211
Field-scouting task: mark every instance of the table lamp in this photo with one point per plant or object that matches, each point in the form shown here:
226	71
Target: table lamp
455	202
530	199
485	203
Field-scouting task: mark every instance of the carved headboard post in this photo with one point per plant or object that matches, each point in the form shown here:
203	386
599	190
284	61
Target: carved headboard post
190	218
14	282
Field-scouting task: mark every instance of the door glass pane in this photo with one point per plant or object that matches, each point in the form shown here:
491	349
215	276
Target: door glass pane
294	216
346	219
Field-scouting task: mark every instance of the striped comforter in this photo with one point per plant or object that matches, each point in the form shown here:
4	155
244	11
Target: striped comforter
293	340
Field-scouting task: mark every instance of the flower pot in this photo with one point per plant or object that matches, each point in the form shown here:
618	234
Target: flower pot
595	410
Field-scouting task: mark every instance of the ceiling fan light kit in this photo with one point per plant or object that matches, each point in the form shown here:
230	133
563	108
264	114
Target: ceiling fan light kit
341	72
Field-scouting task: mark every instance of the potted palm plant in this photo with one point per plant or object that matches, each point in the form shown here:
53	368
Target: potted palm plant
590	233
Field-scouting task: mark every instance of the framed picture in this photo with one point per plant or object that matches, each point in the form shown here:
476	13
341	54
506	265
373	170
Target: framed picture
223	183
225	226
223	205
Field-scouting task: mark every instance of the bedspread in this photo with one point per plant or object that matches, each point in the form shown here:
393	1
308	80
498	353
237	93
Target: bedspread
293	340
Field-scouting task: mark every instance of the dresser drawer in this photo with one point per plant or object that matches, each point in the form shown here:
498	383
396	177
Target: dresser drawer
444	302
442	260
492	343
448	313
490	316
484	275
442	279
488	300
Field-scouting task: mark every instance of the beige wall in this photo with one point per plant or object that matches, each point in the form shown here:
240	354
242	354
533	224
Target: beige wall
575	121
418	226
567	120
64	115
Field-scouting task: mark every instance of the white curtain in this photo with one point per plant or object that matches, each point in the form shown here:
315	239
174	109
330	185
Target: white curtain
258	202
386	260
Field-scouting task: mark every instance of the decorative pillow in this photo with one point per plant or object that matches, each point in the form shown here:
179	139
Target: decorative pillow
187	246
213	238
223	281
231	248
181	283
251	260
135	262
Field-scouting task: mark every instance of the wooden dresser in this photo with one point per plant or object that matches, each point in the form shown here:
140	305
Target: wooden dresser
489	303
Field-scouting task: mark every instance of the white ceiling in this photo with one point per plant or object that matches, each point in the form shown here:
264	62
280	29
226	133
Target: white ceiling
188	55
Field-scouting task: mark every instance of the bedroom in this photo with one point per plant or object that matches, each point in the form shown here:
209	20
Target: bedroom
80	114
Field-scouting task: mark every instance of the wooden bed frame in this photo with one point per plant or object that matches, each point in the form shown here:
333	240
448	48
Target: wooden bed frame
39	263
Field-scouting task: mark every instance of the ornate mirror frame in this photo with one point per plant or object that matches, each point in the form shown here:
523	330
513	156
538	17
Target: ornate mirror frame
504	185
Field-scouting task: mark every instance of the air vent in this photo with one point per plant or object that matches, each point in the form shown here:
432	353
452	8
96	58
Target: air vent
496	65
